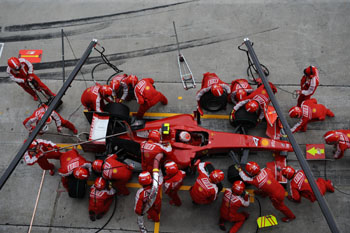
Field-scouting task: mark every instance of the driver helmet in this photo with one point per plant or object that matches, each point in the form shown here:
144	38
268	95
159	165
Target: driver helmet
185	136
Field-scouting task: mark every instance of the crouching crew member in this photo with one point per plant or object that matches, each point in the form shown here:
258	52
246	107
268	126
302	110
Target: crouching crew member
340	140
117	172
101	198
299	185
267	185
172	182
205	189
93	97
234	199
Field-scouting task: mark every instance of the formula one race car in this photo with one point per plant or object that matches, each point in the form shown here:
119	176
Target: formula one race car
124	135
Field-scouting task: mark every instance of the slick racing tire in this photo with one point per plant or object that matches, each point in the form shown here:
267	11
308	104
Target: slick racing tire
232	174
118	110
246	119
213	103
76	187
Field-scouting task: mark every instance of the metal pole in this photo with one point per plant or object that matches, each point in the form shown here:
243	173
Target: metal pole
177	40
63	65
51	107
304	165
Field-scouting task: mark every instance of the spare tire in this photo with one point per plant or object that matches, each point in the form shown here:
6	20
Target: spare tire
244	118
76	187
213	103
118	110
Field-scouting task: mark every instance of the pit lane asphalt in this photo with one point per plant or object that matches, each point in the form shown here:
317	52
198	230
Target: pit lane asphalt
138	36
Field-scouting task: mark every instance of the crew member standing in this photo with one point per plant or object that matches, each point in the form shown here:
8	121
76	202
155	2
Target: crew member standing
234	199
147	96
267	185
151	148
172	182
211	82
119	173
38	153
142	198
31	122
309	111
93	97
308	84
101	198
205	189
299	185
21	71
340	140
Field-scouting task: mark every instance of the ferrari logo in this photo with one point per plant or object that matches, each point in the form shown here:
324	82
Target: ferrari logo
264	142
348	135
269	182
146	155
306	181
115	171
69	158
263	92
314	110
200	189
147	88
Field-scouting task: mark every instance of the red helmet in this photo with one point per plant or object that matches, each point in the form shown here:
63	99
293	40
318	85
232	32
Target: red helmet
100	183
331	137
105	90
145	178
97	165
217	90
132	80
252	106
238	187
14	63
288	172
216	176
81	173
185	136
115	84
154	136
252	168
240	94
171	168
295	112
310	71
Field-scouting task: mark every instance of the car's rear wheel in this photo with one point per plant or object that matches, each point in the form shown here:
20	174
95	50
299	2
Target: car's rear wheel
213	103
232	174
76	187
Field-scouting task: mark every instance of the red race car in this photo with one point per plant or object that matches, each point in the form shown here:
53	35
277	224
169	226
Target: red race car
199	141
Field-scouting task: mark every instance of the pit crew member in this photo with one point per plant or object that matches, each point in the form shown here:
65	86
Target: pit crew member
267	185
38	153
205	189
172	182
21	71
211	82
93	97
142	198
308	84
122	85
298	185
117	172
232	200
31	122
101	198
309	111
147	96
239	89
340	140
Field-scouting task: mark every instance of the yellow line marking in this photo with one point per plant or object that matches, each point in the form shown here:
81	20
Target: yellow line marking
179	97
67	144
29	55
133	185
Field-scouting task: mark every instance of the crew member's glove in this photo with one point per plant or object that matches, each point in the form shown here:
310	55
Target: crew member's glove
59	129
237	167
298	92
120	101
